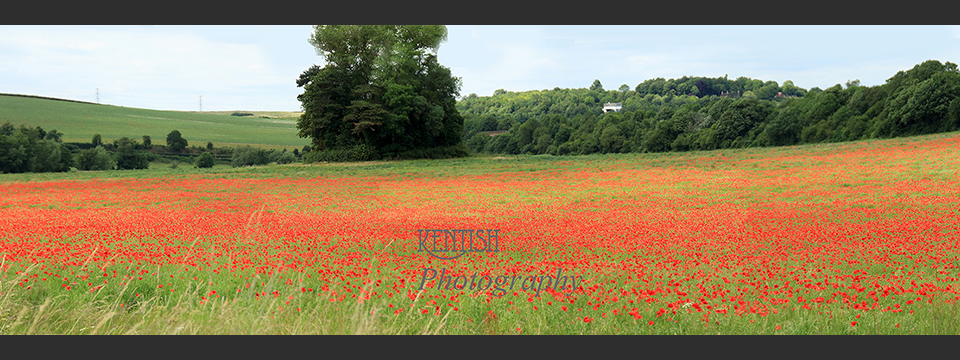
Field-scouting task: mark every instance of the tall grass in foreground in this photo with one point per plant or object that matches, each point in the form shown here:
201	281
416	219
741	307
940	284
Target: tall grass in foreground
267	307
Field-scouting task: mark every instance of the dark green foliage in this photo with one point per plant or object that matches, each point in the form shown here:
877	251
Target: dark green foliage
596	86
127	157
280	157
650	95
332	155
51	157
40	133
953	115
175	141
498	144
54	135
26	149
660	115
283	157
612	139
249	156
97	140
359	152
146	142
381	93
921	107
205	160
94	159
440	152
921	72
7	129
742	116
785	127
589	144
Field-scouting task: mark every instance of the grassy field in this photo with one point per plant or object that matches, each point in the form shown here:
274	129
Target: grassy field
850	238
80	121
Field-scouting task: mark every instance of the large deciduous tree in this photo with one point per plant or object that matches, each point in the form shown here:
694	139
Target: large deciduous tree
381	89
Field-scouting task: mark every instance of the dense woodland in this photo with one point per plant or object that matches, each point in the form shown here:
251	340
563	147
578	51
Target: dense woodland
698	113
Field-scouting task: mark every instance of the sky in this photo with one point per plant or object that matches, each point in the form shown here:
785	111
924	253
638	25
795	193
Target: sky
222	68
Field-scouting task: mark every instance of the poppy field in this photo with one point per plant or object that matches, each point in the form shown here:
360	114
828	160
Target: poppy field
851	238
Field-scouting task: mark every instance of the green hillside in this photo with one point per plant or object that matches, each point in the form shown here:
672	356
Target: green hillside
79	121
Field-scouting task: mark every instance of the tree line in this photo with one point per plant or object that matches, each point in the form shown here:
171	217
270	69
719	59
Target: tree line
26	149
652	94
705	114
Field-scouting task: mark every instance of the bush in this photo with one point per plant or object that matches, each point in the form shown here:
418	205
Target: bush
440	152
330	155
286	158
364	152
131	160
94	159
205	160
225	151
128	158
274	156
249	156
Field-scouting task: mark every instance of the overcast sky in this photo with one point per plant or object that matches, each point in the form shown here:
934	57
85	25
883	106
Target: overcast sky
256	67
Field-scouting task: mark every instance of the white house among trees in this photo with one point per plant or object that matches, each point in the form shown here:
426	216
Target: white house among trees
612	107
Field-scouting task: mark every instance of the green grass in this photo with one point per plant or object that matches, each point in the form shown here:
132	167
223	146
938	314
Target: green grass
80	121
194	308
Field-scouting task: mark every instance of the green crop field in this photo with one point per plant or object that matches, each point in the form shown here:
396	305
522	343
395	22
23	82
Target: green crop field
80	121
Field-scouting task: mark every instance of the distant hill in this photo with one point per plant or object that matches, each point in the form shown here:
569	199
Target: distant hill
79	121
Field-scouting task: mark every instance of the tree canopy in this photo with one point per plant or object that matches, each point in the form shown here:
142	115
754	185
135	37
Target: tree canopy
701	113
175	141
27	149
381	93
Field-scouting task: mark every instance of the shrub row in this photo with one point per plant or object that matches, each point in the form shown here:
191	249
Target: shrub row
249	156
366	153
